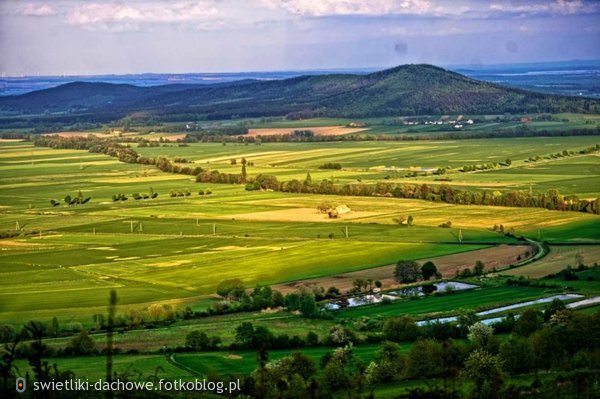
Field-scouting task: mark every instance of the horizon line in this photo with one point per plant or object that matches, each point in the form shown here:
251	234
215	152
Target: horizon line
311	70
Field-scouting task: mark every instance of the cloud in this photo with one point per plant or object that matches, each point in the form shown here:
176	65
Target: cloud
432	8
557	7
134	14
39	10
322	8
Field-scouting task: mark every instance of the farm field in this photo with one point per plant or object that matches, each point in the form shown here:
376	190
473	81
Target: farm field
228	199
392	161
60	262
163	249
556	260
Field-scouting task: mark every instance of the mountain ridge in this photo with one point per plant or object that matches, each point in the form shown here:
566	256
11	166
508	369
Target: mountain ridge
411	89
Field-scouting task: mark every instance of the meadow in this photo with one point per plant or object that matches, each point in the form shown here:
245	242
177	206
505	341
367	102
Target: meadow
60	261
176	250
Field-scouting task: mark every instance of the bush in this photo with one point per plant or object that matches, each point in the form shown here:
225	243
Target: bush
81	344
331	165
400	329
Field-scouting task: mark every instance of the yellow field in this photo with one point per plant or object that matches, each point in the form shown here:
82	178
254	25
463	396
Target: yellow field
558	258
320	130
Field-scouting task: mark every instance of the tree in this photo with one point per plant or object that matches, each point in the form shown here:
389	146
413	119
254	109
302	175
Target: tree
516	355
312	339
409	220
308	305
407	271
399	329
389	364
480	335
425	359
54	328
244	334
7	333
508	162
231	289
244	174
308	179
484	370
332	292
478	268
197	340
324	207
555	306
81	344
428	270
339	335
528	323
359	283
156	311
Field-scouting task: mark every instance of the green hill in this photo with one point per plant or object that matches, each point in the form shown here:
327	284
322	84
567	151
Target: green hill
403	90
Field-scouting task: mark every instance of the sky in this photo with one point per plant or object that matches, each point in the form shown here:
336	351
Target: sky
87	37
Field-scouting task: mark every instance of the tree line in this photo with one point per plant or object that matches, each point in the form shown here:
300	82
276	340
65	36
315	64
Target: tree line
551	200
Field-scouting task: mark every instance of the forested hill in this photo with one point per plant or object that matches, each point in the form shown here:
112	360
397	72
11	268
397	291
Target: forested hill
403	90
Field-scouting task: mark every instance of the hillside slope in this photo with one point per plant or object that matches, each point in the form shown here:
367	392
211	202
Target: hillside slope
403	90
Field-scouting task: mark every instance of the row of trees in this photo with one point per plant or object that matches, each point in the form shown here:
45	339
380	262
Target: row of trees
409	271
552	199
237	298
520	131
550	343
78	199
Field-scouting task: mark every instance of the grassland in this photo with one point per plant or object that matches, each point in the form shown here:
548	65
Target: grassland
558	258
180	248
392	161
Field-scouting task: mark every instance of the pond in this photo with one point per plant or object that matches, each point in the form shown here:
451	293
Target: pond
561	297
443	286
361	301
369	299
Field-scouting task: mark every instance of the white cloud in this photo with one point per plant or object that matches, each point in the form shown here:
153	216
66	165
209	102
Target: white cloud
135	14
435	8
38	10
321	8
563	7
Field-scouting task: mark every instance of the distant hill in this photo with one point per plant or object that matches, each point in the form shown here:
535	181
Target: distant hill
403	90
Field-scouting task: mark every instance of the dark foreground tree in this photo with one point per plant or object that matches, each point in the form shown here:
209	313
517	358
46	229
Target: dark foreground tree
407	271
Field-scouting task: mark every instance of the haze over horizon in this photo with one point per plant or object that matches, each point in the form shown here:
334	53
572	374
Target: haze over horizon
76	37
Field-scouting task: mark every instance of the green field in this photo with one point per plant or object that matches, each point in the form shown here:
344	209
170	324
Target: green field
181	248
62	261
473	299
370	162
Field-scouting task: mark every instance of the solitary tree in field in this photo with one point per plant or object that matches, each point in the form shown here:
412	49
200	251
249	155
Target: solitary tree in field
244	174
407	271
428	270
409	220
308	179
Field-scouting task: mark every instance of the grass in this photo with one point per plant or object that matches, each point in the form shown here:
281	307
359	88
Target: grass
558	259
261	237
188	245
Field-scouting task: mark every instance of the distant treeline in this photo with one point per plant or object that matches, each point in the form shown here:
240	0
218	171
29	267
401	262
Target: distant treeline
523	131
552	200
